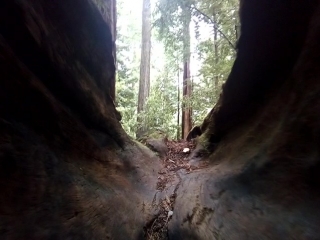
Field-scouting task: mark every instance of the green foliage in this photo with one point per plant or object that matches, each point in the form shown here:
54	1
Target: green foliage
216	55
162	106
128	60
126	104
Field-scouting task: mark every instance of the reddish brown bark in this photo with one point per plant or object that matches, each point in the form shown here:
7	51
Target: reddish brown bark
113	27
108	10
144	83
69	171
187	88
186	110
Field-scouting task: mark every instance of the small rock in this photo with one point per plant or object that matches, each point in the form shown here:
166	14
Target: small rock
186	150
170	213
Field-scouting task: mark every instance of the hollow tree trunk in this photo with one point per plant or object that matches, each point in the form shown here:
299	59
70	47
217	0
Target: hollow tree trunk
69	171
262	136
108	9
67	168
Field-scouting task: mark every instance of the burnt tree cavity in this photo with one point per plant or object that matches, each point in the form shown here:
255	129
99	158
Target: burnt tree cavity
69	171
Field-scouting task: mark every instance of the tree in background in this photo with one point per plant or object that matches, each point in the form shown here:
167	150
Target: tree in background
128	63
144	83
209	44
173	23
160	105
186	123
216	53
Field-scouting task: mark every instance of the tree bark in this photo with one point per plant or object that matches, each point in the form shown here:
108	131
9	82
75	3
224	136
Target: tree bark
216	54
108	10
67	168
69	171
113	27
178	103
186	110
144	83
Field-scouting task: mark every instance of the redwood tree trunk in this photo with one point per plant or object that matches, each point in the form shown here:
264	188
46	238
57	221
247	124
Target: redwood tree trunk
187	89
178	102
216	55
144	83
186	110
113	27
67	168
111	6
108	10
69	171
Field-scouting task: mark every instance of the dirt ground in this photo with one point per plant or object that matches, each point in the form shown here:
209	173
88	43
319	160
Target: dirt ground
175	163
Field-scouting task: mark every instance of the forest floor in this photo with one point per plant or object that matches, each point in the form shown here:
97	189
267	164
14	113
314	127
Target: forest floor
175	164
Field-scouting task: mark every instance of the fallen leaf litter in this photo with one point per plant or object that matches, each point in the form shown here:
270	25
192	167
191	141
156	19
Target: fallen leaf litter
175	160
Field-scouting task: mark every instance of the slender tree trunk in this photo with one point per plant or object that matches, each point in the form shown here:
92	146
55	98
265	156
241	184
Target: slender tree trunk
178	104
144	83
216	56
186	110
